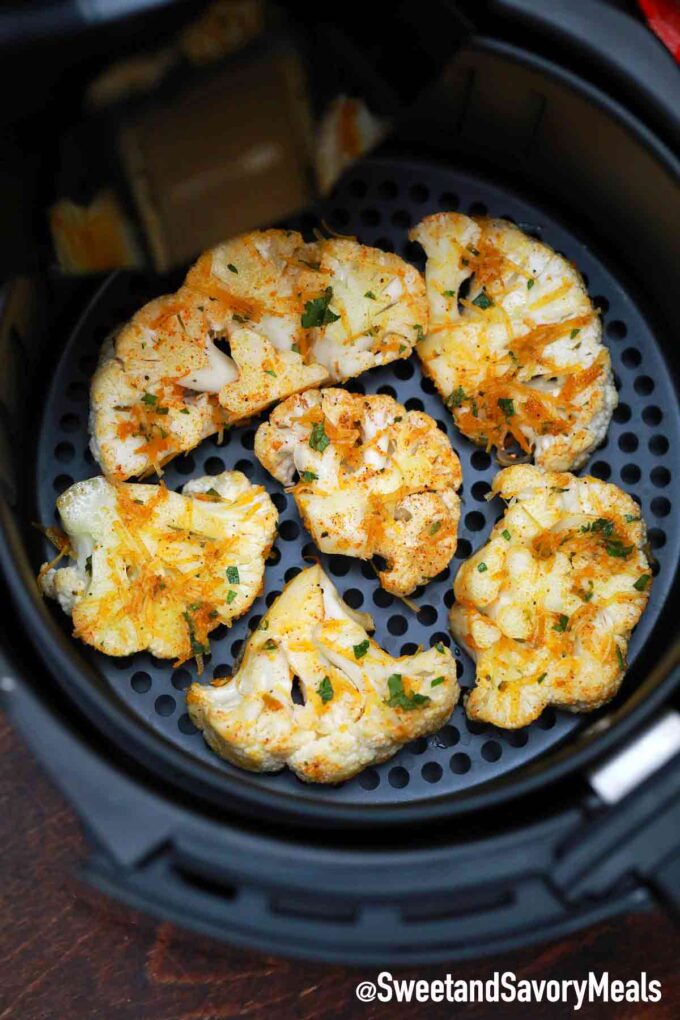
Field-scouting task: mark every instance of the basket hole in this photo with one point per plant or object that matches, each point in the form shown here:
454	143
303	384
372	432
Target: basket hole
518	738
382	598
475	521
340	217
297	694
358	188
274	556
480	460
140	682
477	209
449	200
248	439
601	470
271	599
628	442
622	413
617	330
547	720
447	736
369	779
414	404
631	357
630	474
291	573
185	465
237	647
463	549
397	625
644	385
280	501
61	483
657	538
440	638
69	422
354	598
214	466
427	615
652	415
165	705
480	490
432	772
185	725
370	217
404	370
398	777
658	445
660	506
388	190
601	302
491	750
64	452
388	391
660	477
410	648
401	219
289	530
460	763
418	746
181	678
419	192
339	565
427	386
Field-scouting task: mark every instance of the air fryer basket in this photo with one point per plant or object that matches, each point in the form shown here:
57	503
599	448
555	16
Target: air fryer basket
507	135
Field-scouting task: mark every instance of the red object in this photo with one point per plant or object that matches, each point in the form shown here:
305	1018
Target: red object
663	17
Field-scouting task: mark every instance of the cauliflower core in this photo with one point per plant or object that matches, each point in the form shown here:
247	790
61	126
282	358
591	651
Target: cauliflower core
546	608
315	693
258	318
153	569
519	358
373	479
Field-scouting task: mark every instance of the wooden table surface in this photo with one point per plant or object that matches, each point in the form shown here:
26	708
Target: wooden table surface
68	954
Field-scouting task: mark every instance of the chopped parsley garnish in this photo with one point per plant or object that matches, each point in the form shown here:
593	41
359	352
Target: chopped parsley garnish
530	284
435	527
88	564
420	333
325	690
483	300
185	410
269	644
239	318
270	371
264	625
437	681
196	647
619	656
317	312
507	406
231	595
233	575
318	440
361	649
482	568
400	699
232	268
449	293
642	582
574	332
601	525
296	348
150	399
308	476
541	678
629	518
562	623
615	547
440	647
506	535
369	294
456	398
213	492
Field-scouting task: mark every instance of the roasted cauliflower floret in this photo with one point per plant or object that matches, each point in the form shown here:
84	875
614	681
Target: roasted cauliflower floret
163	384
153	569
372	479
315	693
290	315
519	360
546	608
364	307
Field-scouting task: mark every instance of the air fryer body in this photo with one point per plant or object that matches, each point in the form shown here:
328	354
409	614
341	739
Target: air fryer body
475	840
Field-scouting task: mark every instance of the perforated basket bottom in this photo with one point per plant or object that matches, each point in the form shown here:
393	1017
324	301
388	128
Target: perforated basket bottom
378	201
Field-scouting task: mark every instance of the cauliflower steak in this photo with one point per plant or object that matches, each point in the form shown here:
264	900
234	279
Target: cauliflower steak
153	569
315	693
546	608
519	358
258	318
372	479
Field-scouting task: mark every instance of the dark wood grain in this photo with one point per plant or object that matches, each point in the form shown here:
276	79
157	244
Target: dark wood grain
69	954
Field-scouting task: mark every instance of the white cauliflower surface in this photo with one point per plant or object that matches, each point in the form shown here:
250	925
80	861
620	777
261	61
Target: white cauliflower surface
158	570
371	479
259	318
313	692
519	358
547	606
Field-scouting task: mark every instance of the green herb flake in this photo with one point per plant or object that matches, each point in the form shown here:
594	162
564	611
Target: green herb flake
150	399
185	410
456	398
88	564
562	623
449	293
574	332
630	518
232	268
231	595
233	575
370	295
440	648
318	440
437	681
601	526
507	406
619	656
296	348
642	582
400	699
269	371
361	649
541	678
435	527
308	476
270	645
325	690
317	311
420	333
483	300
506	535
530	284
614	547
482	568
264	625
